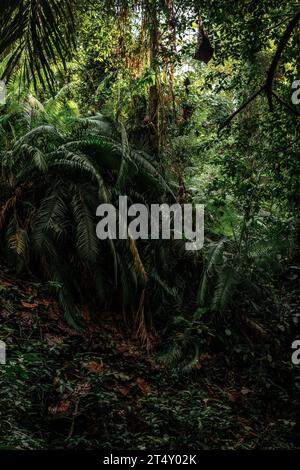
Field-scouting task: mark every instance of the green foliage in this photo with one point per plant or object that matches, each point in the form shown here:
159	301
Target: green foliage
55	178
38	34
97	389
134	114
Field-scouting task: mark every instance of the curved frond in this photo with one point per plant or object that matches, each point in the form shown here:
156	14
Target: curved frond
40	33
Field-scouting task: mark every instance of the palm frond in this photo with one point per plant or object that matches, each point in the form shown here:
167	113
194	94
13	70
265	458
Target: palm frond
214	257
18	242
38	33
86	240
224	289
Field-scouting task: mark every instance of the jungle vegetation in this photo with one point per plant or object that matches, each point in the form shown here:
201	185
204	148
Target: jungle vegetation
142	344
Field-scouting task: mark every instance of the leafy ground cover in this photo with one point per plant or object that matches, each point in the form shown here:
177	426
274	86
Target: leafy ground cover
97	388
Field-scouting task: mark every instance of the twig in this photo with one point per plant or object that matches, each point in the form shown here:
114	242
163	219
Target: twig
282	43
244	105
290	108
268	85
71	432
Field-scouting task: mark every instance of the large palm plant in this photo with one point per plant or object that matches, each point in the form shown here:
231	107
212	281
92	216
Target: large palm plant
53	179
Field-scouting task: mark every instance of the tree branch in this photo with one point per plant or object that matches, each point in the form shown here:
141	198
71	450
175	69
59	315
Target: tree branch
268	85
243	106
283	42
290	108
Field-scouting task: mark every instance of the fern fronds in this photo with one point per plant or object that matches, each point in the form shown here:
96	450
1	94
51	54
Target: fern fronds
86	240
18	243
224	289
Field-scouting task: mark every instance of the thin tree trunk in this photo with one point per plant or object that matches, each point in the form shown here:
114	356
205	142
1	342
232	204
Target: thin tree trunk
154	92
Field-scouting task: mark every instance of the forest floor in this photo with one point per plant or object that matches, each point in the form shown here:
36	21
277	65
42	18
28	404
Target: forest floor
98	388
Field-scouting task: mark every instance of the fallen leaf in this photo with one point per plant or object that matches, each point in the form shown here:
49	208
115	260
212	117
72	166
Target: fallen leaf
245	391
53	312
82	389
231	394
27	305
62	407
86	313
52	340
94	367
124	391
143	386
